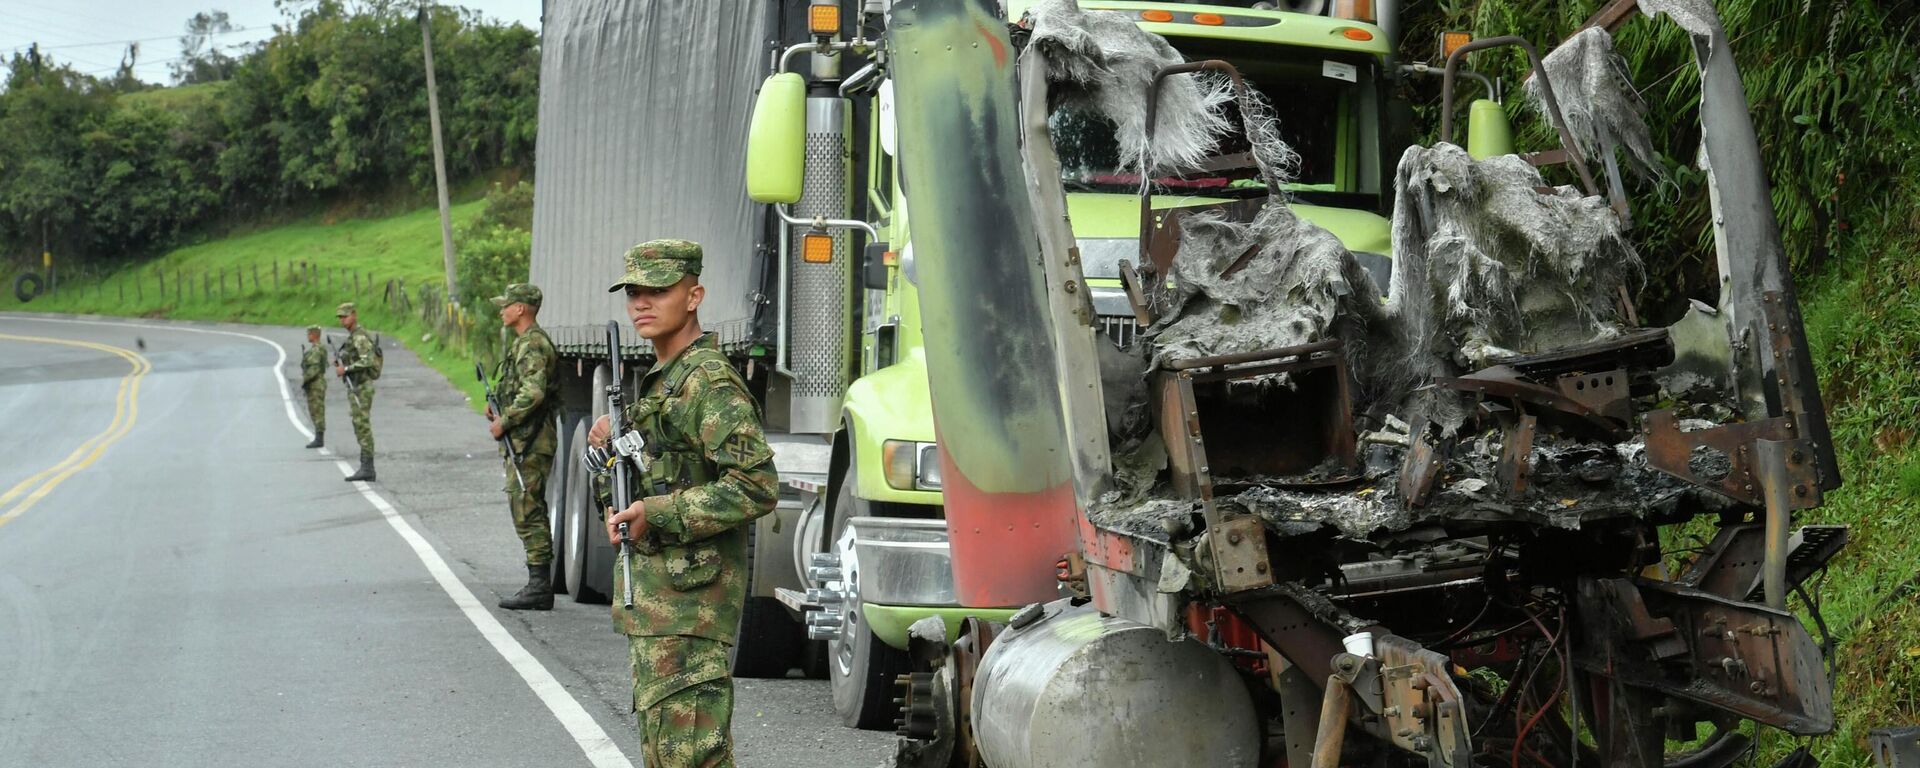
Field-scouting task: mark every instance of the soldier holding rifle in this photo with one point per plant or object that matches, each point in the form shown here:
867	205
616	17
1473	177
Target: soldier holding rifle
708	473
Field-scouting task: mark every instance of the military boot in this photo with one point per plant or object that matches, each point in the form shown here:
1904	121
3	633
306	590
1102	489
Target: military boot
319	441
365	472
537	595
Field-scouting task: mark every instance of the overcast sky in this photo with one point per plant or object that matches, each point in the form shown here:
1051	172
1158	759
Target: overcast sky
92	34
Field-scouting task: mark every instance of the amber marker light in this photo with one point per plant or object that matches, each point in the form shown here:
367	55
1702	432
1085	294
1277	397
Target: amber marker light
1209	19
824	19
1451	41
816	248
1356	33
1157	15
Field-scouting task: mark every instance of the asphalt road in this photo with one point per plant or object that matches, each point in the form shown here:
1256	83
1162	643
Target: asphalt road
182	584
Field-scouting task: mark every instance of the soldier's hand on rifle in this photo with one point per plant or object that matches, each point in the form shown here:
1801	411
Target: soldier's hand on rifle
491	415
635	516
493	427
339	370
597	435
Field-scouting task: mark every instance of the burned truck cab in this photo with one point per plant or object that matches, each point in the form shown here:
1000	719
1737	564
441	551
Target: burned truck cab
1430	529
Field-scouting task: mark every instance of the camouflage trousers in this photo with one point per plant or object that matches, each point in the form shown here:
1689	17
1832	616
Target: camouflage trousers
360	404
317	409
529	507
685	701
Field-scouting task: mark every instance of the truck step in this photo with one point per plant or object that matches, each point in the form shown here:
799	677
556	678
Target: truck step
794	599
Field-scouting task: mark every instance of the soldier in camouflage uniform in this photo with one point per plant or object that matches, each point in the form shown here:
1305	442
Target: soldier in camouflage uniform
356	367
711	475
529	391
313	381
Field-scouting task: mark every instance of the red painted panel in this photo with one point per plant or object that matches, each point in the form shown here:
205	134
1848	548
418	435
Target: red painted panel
1005	543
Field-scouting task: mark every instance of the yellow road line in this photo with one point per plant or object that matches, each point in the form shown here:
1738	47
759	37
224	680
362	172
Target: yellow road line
126	408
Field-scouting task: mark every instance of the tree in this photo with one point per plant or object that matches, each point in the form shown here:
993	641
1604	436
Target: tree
201	60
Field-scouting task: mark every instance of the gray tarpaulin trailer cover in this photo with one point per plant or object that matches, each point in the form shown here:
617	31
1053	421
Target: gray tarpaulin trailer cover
644	106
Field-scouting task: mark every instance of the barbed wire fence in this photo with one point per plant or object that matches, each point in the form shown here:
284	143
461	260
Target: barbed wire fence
152	291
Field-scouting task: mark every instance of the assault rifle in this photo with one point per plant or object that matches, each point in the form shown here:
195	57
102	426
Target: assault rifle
493	406
340	354
623	446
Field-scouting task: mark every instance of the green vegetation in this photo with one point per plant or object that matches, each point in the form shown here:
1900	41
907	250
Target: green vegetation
331	110
404	249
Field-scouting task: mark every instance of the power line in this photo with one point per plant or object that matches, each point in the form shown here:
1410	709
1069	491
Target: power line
145	39
122	23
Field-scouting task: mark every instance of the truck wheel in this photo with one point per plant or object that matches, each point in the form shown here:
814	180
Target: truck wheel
861	667
580	523
558	486
27	286
769	640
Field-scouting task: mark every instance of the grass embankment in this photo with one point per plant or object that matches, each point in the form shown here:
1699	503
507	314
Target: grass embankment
1863	322
404	247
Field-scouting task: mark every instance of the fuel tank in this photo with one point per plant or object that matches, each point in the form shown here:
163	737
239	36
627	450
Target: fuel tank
1077	689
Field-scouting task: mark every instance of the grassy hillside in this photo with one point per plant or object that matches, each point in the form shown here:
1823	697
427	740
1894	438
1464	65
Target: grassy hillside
1863	320
404	248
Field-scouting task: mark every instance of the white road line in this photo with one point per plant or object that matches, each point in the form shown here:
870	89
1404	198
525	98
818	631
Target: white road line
593	740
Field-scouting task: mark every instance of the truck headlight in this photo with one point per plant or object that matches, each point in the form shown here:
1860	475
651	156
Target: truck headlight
929	466
911	465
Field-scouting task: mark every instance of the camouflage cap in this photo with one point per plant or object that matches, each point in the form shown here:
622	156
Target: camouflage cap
346	308
519	293
313	329
660	263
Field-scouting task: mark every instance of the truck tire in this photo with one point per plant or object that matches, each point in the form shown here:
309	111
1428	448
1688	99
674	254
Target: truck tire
860	667
26	286
769	641
559	484
581	523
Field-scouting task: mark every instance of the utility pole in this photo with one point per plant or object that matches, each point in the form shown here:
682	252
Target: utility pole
439	154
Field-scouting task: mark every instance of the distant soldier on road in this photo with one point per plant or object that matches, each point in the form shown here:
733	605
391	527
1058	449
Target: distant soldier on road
529	391
715	474
359	365
313	380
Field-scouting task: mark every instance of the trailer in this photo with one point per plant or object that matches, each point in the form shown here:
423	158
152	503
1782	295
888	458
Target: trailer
644	109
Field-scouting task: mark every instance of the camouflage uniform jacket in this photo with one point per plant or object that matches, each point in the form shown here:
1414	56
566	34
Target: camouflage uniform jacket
529	391
313	367
357	354
711	474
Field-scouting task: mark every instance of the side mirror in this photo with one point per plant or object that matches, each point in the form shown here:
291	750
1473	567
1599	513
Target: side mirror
1488	132
776	140
873	271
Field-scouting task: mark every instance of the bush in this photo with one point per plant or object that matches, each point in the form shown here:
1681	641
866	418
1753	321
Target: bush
331	107
494	248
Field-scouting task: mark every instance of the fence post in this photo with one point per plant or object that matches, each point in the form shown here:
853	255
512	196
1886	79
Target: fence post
139	293
179	285
256	278
276	274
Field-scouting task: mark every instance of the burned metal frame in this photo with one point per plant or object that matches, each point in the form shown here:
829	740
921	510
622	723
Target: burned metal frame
1241	97
1238	546
1755	662
1574	154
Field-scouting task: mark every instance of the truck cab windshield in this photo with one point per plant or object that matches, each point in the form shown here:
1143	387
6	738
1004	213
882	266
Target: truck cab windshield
1330	120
